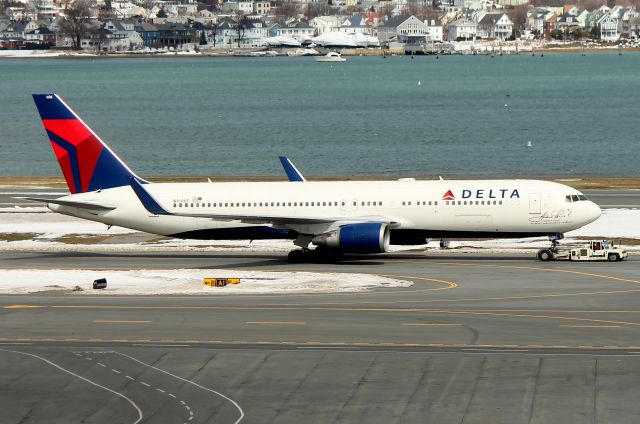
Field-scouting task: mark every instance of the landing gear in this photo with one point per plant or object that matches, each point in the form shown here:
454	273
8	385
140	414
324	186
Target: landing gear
318	255
552	252
545	254
444	243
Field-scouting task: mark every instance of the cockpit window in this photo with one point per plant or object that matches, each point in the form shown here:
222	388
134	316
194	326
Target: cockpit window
575	198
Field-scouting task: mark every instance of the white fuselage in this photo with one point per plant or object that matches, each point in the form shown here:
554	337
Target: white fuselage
507	208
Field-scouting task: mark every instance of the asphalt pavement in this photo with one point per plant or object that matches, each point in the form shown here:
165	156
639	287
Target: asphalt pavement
476	339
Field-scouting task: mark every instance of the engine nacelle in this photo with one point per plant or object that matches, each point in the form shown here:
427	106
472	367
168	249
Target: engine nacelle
368	237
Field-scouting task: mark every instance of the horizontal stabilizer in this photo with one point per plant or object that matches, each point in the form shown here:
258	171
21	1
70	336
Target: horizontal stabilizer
71	203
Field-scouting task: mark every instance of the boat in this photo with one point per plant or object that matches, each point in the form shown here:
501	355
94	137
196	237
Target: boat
331	57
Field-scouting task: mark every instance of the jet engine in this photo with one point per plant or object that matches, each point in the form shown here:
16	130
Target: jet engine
367	237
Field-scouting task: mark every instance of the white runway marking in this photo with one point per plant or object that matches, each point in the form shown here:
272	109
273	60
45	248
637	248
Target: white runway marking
145	384
235	404
116	371
84	379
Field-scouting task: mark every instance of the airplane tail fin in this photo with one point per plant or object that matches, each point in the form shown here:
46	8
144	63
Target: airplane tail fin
87	163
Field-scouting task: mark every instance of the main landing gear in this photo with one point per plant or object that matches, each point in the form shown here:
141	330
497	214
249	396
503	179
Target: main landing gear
319	255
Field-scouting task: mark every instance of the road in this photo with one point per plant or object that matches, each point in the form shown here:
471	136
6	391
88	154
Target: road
476	339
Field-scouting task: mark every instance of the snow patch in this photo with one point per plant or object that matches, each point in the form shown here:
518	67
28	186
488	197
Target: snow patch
189	281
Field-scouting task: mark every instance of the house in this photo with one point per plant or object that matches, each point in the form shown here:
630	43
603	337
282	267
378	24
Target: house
624	20
149	33
567	23
495	26
262	7
42	36
538	20
253	34
300	31
324	24
404	29
47	9
462	29
15	30
176	35
634	27
355	25
607	25
434	30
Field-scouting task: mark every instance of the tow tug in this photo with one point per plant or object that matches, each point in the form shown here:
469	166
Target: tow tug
592	250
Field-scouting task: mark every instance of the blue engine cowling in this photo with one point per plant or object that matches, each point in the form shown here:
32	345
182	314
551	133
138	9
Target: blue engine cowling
367	237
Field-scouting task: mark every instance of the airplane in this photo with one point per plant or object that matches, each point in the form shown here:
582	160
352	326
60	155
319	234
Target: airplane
335	217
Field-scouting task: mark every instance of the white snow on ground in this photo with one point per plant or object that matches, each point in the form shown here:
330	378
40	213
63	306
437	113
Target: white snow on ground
614	223
183	281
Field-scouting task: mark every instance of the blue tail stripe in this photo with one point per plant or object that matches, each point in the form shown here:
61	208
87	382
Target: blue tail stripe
50	107
149	203
73	158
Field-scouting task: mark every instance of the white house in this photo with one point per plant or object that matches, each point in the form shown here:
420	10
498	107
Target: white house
463	29
494	26
324	24
434	30
608	26
300	31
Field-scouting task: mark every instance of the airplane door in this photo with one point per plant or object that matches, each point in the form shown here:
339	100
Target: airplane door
534	203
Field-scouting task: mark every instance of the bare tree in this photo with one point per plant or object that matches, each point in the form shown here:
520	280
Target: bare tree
316	9
518	15
77	19
285	9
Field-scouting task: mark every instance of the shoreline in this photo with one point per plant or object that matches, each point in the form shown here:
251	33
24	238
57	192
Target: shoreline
68	54
578	183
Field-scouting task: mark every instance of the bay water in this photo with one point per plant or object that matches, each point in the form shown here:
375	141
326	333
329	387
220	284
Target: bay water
426	116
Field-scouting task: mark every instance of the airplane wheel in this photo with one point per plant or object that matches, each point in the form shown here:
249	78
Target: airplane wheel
544	255
325	255
296	256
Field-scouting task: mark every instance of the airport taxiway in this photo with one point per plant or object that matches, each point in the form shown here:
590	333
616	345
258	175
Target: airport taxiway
478	338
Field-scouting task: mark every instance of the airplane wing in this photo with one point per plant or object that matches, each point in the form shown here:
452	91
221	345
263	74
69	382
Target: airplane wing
290	169
152	206
72	203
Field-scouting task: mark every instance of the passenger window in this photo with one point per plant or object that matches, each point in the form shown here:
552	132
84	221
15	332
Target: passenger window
500	202
342	203
402	203
409	203
368	203
324	203
459	202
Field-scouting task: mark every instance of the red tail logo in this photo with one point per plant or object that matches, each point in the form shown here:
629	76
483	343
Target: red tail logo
448	196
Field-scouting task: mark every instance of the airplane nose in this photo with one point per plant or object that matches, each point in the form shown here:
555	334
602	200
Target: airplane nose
593	211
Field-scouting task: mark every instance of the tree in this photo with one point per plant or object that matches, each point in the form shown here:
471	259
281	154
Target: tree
77	20
240	27
161	13
518	15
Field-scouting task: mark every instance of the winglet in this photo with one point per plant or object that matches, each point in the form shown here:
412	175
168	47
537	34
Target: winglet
292	172
147	200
